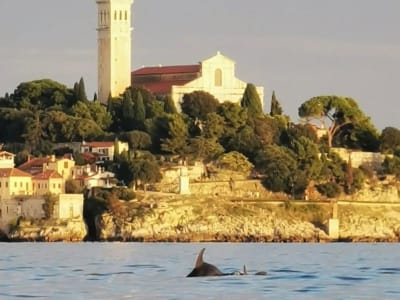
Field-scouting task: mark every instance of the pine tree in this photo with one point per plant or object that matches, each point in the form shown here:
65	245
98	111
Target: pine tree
251	101
276	108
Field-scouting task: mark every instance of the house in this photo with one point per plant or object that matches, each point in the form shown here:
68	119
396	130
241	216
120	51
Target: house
104	150
6	160
90	176
49	181
215	75
64	166
14	182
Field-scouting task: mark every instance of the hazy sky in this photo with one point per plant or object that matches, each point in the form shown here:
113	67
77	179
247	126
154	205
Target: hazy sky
299	48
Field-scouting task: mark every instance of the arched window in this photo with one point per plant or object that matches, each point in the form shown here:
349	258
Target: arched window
218	77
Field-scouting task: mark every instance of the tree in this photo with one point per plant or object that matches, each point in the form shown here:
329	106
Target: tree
82	91
333	113
128	113
198	104
48	205
169	105
390	140
276	108
205	148
251	101
139	113
279	166
235	161
138	140
176	130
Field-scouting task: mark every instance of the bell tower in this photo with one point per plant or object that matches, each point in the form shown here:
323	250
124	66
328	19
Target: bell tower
114	47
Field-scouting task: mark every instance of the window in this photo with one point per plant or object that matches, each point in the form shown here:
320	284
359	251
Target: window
115	15
0	184
120	14
65	165
6	184
218	77
126	15
15	184
54	185
20	184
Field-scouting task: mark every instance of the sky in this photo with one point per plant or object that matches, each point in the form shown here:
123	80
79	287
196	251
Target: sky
299	48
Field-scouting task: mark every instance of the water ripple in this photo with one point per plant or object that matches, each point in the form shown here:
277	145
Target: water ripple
389	270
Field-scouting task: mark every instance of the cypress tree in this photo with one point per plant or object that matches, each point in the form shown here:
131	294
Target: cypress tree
251	101
169	105
139	111
95	97
128	113
276	108
81	90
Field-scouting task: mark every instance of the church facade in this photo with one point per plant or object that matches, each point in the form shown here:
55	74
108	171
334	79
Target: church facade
215	75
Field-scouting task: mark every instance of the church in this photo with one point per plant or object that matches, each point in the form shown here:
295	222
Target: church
215	75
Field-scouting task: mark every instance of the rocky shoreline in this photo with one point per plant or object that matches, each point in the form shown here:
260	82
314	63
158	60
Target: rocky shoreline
214	219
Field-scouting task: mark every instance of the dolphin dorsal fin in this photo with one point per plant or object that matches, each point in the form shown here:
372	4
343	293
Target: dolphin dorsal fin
199	260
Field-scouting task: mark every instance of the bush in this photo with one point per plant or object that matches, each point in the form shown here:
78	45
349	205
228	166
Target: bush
329	189
124	193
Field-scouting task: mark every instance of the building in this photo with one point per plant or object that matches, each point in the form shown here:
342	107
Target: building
215	75
6	160
90	176
49	181
14	182
114	47
63	166
104	150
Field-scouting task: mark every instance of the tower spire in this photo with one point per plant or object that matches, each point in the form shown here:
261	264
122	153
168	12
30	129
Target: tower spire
114	47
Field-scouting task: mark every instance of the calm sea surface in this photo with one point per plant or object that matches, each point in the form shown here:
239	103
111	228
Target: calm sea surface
157	271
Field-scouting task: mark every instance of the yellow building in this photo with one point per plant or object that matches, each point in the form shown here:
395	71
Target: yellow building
48	182
14	182
6	160
215	75
63	166
114	47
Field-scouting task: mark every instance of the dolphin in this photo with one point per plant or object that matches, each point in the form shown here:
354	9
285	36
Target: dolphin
202	269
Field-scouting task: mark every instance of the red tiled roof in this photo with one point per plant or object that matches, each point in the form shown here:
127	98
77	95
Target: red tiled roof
34	163
98	144
161	87
4	173
47	175
167	70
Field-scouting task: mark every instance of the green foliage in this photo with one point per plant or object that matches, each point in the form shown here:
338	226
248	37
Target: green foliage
133	170
213	126
251	101
174	134
390	140
244	141
48	205
335	114
169	105
235	161
279	166
276	108
82	91
198	104
205	148
391	165
138	140
139	114
128	112
329	189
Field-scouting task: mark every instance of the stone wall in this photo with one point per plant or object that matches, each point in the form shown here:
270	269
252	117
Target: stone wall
358	158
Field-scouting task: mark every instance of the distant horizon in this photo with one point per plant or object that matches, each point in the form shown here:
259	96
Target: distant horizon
300	50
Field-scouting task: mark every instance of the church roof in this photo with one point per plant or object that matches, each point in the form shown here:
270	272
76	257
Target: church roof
167	70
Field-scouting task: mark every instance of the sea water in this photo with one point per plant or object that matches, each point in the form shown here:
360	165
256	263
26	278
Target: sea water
158	271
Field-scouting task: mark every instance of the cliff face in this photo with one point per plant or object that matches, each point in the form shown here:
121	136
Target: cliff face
211	219
50	231
216	219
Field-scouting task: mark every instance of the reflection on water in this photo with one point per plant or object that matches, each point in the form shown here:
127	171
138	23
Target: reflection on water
157	271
